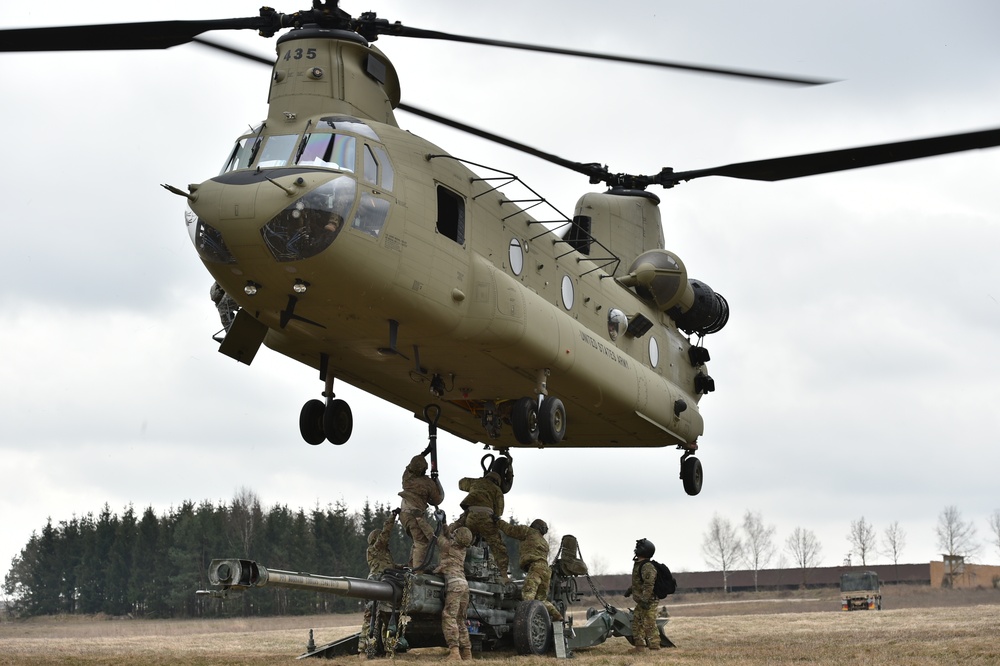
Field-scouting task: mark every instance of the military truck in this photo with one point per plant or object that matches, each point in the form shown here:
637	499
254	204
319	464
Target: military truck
406	606
860	590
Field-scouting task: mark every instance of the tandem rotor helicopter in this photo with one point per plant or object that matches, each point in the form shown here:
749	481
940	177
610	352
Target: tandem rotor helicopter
350	245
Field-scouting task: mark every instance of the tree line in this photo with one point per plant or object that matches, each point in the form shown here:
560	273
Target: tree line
150	565
752	543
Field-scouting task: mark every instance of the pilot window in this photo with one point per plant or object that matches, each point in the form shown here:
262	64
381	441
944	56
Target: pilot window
335	151
371	166
451	215
277	150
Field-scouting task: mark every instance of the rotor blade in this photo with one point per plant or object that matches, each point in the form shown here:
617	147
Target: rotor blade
403	31
120	36
798	166
591	170
234	51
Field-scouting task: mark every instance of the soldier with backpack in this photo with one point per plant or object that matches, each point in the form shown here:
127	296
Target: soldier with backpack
645	634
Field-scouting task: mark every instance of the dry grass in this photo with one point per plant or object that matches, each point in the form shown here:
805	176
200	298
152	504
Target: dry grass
922	626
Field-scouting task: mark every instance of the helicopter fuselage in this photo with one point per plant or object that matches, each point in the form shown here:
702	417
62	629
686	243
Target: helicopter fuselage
370	254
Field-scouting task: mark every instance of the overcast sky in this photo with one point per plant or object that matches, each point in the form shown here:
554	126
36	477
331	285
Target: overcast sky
859	375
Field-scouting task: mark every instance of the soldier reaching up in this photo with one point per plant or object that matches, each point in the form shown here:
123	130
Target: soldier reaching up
534	561
419	490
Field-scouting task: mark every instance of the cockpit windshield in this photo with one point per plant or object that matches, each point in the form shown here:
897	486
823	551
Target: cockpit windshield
335	151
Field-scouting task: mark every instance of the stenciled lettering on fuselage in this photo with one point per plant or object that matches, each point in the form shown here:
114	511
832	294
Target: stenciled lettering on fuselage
610	352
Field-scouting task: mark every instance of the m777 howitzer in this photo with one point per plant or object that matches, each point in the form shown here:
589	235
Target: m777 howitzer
406	606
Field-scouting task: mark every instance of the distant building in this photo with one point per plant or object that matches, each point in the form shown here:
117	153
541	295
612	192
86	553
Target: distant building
934	574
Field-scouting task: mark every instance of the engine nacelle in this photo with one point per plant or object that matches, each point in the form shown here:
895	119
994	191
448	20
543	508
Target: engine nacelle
660	277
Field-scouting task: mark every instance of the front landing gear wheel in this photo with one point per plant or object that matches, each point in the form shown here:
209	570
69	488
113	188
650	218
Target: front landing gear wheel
338	422
532	628
311	422
691	475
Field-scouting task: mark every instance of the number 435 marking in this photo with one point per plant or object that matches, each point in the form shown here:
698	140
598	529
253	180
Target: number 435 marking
299	54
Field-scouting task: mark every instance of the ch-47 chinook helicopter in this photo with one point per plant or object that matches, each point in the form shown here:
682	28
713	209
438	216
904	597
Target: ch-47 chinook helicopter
355	247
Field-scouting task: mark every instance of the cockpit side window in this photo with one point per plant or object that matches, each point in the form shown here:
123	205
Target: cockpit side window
242	154
335	151
388	175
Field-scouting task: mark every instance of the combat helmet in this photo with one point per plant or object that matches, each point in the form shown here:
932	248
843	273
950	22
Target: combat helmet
540	525
463	537
644	548
417	465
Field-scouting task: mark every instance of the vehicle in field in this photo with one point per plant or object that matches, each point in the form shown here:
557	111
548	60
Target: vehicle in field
860	590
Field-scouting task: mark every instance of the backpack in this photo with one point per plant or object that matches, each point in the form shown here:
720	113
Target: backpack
665	582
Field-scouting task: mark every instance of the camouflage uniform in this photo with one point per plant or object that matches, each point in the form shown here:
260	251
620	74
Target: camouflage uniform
644	631
483	506
534	561
379	559
418	491
454	542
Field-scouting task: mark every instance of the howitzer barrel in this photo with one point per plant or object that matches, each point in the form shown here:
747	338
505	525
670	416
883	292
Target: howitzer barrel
242	574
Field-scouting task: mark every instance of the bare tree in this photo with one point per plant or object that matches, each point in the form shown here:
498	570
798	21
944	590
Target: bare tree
955	535
957	540
805	550
995	527
722	547
758	543
893	542
245	517
862	538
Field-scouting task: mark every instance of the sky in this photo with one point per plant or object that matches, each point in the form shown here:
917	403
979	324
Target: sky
858	376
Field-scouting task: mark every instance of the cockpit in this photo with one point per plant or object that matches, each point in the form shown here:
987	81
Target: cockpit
309	224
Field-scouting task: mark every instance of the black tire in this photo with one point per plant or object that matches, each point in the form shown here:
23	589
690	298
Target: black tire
311	422
338	422
532	628
502	467
524	420
551	421
691	475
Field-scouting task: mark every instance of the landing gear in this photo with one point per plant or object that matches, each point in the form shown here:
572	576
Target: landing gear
524	420
551	421
319	422
691	474
331	421
338	422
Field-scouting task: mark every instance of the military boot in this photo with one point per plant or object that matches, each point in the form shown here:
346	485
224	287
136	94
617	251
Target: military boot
638	649
466	653
454	654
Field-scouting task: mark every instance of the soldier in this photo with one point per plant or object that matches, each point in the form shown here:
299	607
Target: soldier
418	491
534	561
454	542
379	559
644	631
483	507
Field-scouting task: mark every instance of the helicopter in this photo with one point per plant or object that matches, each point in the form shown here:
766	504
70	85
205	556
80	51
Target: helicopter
575	332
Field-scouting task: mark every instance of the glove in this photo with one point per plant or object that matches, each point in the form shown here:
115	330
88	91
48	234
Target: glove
395	512
628	592
441	516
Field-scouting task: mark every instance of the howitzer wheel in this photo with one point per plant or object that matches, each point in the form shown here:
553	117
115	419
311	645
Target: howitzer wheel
532	628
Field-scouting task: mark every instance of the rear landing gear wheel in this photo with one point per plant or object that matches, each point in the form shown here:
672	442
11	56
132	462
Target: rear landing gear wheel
338	422
691	475
524	420
551	421
311	422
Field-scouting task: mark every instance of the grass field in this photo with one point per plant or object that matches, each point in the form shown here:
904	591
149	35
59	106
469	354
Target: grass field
918	626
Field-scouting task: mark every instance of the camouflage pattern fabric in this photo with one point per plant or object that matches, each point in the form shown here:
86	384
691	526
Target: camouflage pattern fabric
379	559
534	561
456	596
644	631
482	492
481	524
418	492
